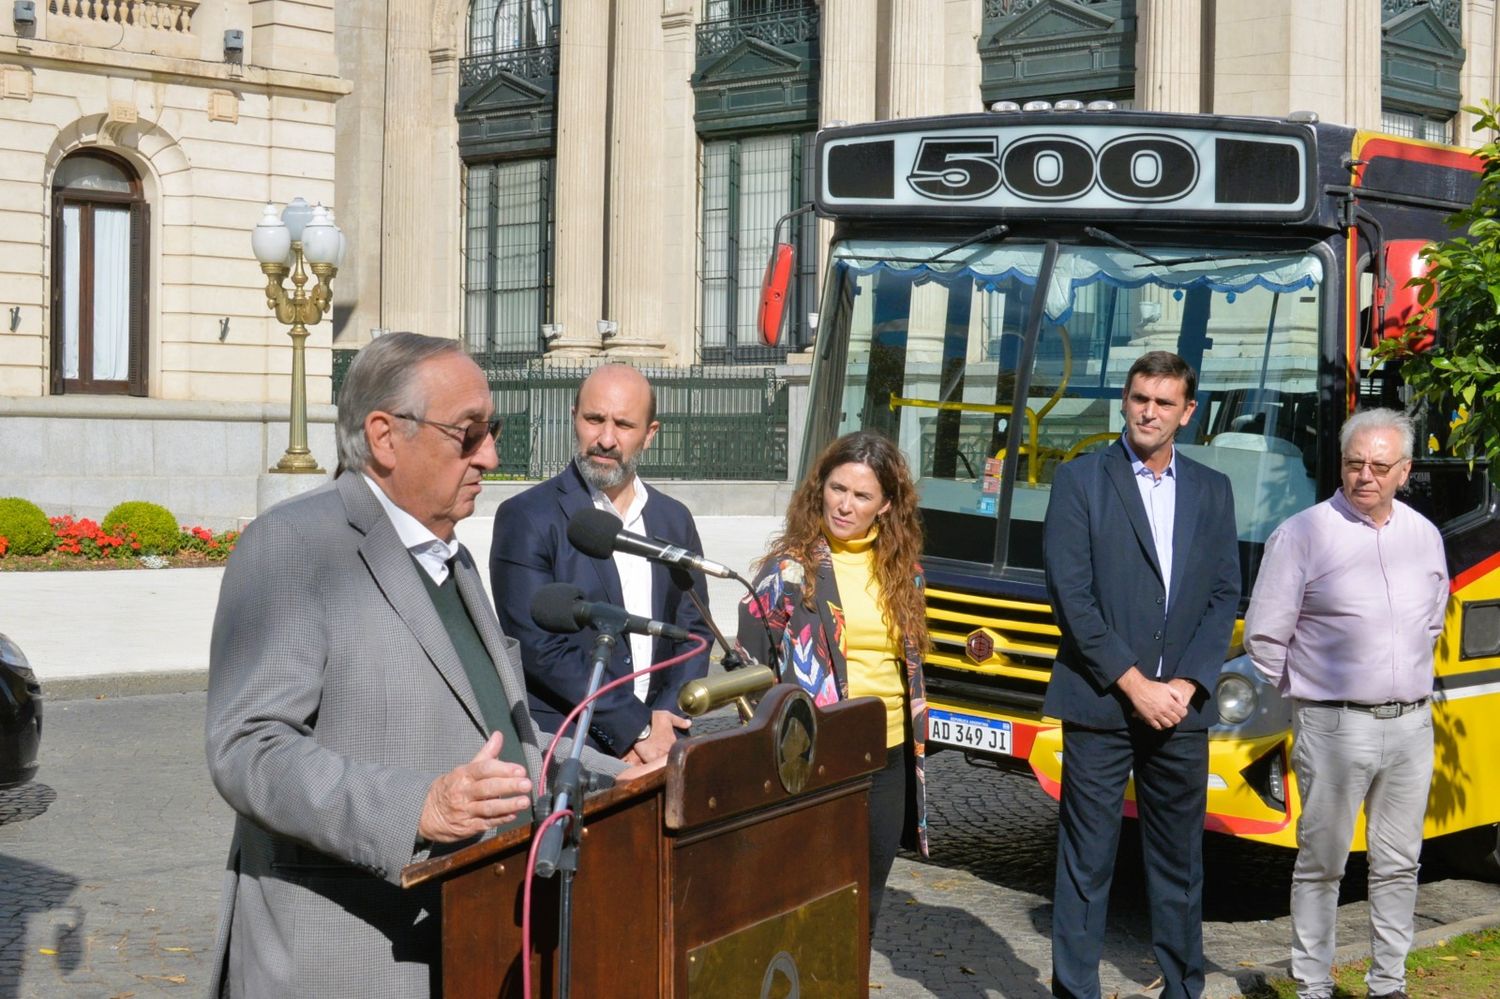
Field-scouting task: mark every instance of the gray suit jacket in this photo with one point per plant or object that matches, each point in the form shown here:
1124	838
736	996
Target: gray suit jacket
335	700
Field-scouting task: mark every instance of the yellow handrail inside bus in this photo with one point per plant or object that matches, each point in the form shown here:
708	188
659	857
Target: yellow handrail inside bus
1067	372
1033	424
1089	441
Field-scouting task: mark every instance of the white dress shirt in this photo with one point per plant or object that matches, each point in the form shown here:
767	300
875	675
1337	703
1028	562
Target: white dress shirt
431	552
1159	496
635	578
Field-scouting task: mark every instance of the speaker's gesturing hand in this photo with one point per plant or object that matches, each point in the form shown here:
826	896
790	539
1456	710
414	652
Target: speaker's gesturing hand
478	795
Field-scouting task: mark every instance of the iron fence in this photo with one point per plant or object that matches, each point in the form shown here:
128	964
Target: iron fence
716	423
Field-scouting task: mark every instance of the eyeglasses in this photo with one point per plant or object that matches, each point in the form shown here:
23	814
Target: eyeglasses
471	435
1380	468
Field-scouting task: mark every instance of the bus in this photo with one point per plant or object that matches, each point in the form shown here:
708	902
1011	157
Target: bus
990	279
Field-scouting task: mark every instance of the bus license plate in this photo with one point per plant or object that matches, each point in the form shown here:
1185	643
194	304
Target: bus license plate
987	735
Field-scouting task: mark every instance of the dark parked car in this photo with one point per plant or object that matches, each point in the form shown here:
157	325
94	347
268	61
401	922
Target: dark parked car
20	716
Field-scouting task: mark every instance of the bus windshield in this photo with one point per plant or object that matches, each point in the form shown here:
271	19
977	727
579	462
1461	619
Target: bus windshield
929	347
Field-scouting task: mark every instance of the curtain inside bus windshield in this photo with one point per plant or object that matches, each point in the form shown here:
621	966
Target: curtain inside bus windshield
933	349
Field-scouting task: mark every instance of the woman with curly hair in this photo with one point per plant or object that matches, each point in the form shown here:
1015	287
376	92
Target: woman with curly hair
841	592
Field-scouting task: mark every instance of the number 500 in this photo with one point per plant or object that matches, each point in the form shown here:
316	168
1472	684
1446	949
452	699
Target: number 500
1055	168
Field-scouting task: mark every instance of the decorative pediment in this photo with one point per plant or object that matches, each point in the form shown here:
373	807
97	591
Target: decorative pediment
752	78
1052	19
504	90
751	59
1421	57
507	103
1059	48
1421	28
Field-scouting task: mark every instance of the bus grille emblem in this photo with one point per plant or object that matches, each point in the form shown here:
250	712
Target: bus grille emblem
980	645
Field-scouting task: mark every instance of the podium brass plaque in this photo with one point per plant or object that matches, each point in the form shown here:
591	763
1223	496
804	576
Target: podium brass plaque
810	952
796	741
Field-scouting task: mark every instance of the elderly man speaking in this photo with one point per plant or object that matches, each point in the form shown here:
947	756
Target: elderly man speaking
1346	609
364	708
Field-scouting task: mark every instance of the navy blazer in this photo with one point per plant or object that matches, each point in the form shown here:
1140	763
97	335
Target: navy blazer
530	549
1108	594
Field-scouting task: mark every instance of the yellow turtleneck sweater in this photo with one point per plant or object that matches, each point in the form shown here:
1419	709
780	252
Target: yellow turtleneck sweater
872	651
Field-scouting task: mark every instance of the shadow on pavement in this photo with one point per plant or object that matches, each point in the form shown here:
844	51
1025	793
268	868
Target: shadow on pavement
28	801
923	957
29	892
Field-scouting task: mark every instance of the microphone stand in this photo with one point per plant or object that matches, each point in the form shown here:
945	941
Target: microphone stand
731	659
552	855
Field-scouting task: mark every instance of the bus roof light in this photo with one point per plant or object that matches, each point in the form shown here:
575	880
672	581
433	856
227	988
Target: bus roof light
1037	106
1005	106
1068	105
1102	106
1303	117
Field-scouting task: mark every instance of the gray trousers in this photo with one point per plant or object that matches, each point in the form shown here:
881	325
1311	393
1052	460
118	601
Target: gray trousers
1345	758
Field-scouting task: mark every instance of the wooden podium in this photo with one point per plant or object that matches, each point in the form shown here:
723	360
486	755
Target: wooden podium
739	869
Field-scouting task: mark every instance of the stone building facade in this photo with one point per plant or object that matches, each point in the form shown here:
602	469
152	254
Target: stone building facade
545	178
625	161
139	140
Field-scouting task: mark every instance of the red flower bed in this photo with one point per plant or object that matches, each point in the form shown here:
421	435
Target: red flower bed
87	539
84	540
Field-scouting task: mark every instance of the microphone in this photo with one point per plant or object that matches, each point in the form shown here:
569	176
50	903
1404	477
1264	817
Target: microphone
561	609
597	533
701	696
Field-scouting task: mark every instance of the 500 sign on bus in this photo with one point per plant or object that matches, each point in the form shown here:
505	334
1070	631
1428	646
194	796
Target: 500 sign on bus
1110	168
1144	168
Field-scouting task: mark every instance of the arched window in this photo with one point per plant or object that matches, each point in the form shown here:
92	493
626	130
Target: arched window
100	222
509	25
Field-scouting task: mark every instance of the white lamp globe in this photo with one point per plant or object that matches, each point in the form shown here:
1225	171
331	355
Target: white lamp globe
270	240
320	240
297	214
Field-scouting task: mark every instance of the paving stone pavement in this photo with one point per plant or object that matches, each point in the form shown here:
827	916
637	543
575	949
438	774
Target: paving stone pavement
110	868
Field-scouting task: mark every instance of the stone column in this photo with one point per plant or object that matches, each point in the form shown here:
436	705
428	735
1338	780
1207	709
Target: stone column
1478	77
445	302
407	268
678	259
1361	64
962	23
918	62
1169	55
578	177
359	119
1276	56
849	38
635	202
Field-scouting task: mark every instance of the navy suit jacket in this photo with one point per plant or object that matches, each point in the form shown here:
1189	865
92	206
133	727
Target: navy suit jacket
530	549
1108	594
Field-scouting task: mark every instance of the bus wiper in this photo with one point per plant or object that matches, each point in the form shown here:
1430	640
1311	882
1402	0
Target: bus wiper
1212	257
990	233
1118	243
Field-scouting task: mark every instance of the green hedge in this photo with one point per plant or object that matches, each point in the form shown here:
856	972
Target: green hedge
25	526
154	526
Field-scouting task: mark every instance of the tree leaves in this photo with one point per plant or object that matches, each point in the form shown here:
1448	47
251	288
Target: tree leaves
1463	286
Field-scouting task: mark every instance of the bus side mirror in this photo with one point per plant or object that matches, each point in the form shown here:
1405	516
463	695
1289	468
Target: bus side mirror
773	289
1404	262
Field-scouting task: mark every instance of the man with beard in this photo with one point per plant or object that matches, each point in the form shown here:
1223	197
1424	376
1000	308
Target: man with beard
614	421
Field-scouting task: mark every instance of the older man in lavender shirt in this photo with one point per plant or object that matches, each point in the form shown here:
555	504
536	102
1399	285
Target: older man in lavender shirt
1346	609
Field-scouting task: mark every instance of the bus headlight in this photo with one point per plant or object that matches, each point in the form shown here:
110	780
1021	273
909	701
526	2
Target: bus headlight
1235	697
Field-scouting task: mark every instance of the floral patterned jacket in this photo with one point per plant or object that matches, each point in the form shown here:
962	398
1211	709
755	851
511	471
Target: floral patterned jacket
812	652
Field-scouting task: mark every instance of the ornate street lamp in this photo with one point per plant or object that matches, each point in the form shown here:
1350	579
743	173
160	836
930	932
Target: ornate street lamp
303	234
